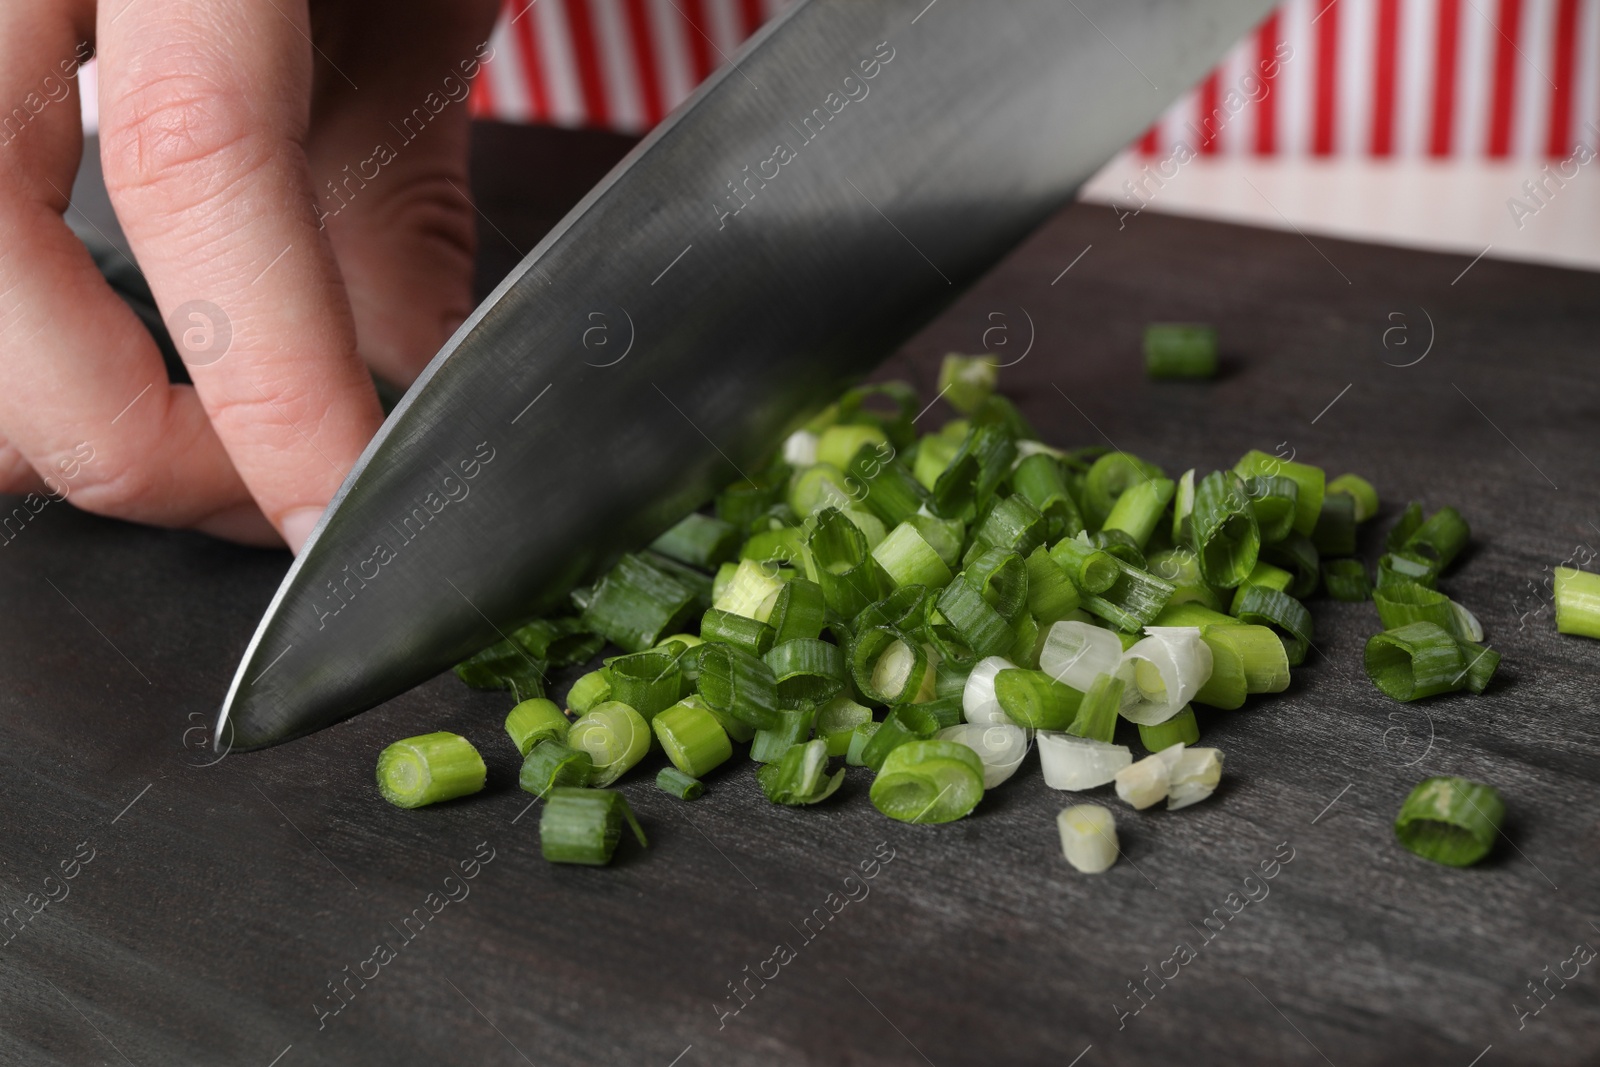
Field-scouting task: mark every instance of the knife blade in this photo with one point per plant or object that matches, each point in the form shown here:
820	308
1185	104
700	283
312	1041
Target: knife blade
816	201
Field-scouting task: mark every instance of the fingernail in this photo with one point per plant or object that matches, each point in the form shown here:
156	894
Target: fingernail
297	525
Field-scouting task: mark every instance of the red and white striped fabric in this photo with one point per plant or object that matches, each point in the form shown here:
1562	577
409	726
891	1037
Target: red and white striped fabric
1354	78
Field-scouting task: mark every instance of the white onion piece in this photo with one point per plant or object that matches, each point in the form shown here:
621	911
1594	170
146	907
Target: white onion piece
978	703
1078	763
800	449
1147	782
1002	748
1088	837
1168	669
1469	622
1076	653
1194	776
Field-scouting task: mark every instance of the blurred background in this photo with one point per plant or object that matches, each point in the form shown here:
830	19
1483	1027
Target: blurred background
1457	125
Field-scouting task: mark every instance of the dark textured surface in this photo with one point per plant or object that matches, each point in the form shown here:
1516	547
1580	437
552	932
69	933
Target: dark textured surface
216	909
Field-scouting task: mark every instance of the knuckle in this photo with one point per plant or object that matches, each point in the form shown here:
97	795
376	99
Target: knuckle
120	485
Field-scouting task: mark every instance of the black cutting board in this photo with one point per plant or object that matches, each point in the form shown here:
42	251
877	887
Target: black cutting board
216	910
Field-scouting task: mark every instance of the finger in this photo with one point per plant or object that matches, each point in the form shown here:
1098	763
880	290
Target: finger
389	164
85	399
204	110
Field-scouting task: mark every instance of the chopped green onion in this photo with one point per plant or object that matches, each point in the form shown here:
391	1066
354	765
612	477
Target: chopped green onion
897	425
1181	729
429	768
535	720
1577	597
934	453
967	381
983	629
1079	763
504	665
1180	350
1051	594
1147	782
635	603
740	631
887	487
1133	601
1037	479
615	736
1452	821
1001	577
1274	499
1077	653
796	777
928	782
675	783
1228	684
699	540
742	501
1119	545
1107	479
1440	539
1399	567
1011	525
1193	614
798	612
944	536
978	701
1311	483
1180	568
1297	555
1481	663
904	723
692	738
909	560
557	642
751	593
1346	579
1265	575
837	721
1400	603
860	737
589	690
1264	656
838	445
1090	569
1223	533
807	669
645	681
946	711
1097	714
888	665
1419	660
1193	776
584	825
1036	700
800	449
1408	523
1002	748
1358	489
783	546
1183	508
1168	668
905	609
850	578
1335	532
818	486
1282	612
966	485
794	727
1088	835
735	682
1139	509
553	763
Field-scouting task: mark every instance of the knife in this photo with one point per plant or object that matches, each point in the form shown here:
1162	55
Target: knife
827	192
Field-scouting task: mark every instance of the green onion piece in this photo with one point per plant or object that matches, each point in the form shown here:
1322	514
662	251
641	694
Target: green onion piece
838	445
1282	612
998	411
645	681
944	536
553	763
934	453
897	424
1401	603
1180	350
1139	509
1297	555
589	690
1183	508
904	723
798	611
1577	597
784	546
1011	525
1346	579
1090	569
859	738
1310	482
1002	579
1037	479
1097	714
794	727
1036	700
1440	539
904	609
1481	663
909	560
950	678
1025	649
1335	533
888	665
979	465
837	721
797	776
887	487
504	665
1119	545
967	381
1263	654
1265	575
674	782
1107	479
850	578
1133	601
1274	499
1227	685
1399	567
1181	729
740	631
584	825
742	501
1452	821
635	603
807	669
1051	594
1407	524
928	782
736	729
1415	661
946	710
697	582
1193	614
536	720
821	485
692	738
557	642
1180	568
751	592
982	629
1359	490
615	736
722	579
735	682
1223	533
429	768
699	540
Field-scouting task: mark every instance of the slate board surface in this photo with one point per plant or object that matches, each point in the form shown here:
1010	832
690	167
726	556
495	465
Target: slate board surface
220	904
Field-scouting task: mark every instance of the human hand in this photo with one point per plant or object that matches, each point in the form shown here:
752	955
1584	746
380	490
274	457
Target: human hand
308	199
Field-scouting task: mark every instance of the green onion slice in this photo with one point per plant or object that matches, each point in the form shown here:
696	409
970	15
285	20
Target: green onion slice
850	578
1408	523
735	682
589	690
808	670
1180	568
536	720
429	768
1107	479
888	665
799	611
1139	509
1036	700
674	782
889	489
1335	532
1296	554
860	737
584	825
1038	480
751	593
1001	577
1091	570
1088	837
1577	598
505	665
1051	594
837	720
1310	483
1358	489
1179	350
1440	539
1346	579
1183	508
1285	614
635	603
692	738
1167	669
557	642
799	775
1181	729
908	559
1400	566
981	628
978	701
906	722
905	609
1400	603
794	727
1011	524
1452	821
552	763
977	469
615	736
1078	653
646	681
1133	601
1097	715
700	541
1274	499
1001	747
967	381
928	782
1223	531
1419	660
